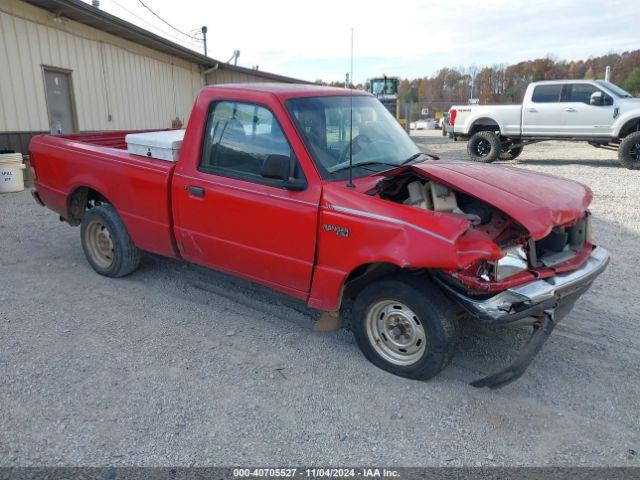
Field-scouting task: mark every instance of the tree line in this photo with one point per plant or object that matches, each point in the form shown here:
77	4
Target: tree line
507	83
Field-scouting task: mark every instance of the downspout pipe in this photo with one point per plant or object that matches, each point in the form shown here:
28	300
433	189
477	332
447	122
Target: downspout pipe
212	69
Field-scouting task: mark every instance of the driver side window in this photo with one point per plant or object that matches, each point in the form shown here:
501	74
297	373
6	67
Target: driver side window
239	137
581	93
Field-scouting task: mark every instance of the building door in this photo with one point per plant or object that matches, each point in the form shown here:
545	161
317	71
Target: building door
57	86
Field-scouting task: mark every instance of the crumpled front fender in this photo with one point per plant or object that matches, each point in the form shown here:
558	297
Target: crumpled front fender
349	238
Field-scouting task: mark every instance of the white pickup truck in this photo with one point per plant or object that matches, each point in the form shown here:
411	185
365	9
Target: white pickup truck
593	111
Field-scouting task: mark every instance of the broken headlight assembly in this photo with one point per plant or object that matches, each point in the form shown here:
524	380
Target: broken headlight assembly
513	262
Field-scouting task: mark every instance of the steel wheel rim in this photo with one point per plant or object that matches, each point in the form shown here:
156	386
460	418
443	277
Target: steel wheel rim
635	151
100	244
483	148
395	332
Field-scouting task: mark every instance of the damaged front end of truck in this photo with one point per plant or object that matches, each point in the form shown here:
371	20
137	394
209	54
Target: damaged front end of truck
528	252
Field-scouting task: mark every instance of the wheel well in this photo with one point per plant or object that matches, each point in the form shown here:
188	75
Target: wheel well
79	201
630	127
363	275
484	124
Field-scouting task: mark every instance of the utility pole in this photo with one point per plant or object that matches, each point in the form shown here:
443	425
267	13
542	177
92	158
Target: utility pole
204	39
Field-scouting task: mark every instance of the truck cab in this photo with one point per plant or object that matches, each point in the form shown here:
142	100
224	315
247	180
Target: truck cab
385	89
575	108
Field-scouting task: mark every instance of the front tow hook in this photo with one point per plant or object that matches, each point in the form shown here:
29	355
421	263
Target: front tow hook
541	331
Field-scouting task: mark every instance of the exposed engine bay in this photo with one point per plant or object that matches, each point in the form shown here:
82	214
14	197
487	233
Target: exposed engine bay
411	189
522	256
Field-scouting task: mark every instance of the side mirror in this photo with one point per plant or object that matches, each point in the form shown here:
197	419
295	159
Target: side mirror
596	98
279	167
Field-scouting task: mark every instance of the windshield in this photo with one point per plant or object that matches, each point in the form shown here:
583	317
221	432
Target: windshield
377	141
380	86
615	89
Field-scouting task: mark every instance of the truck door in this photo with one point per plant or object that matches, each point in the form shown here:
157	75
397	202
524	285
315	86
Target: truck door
542	114
581	117
230	217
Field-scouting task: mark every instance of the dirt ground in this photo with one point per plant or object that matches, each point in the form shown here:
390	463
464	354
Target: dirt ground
180	365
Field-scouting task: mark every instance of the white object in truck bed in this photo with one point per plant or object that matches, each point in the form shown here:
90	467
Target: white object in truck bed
163	145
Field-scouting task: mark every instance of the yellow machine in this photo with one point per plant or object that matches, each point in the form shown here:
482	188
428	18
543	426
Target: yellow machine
385	89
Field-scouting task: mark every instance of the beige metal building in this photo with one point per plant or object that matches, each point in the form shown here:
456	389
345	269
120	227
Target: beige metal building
67	66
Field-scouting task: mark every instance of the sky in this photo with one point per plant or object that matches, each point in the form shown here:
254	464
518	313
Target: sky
310	40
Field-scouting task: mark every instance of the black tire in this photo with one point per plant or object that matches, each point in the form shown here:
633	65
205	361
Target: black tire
107	244
484	147
629	151
432	310
511	154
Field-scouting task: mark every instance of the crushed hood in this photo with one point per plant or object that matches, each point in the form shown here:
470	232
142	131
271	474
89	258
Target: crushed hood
537	201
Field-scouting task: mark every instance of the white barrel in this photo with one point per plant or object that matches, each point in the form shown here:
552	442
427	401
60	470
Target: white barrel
11	176
8	158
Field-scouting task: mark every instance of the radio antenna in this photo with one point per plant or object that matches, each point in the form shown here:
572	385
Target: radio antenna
350	83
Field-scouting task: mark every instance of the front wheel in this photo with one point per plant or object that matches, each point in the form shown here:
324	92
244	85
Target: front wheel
406	326
484	147
629	151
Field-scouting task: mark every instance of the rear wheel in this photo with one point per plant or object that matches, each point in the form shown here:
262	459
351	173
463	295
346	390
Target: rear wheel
510	154
107	244
484	147
406	326
629	151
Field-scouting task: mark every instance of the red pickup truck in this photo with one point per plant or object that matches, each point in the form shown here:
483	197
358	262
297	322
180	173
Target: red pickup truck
319	193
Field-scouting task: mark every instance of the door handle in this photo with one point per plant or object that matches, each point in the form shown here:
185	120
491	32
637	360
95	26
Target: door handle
570	109
196	191
533	110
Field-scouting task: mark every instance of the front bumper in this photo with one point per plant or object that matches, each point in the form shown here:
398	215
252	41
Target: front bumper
532	299
542	303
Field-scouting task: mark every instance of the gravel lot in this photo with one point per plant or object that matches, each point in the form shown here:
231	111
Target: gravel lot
179	365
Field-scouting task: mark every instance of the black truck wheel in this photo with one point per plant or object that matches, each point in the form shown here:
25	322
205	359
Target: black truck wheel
107	244
510	154
629	151
406	326
484	147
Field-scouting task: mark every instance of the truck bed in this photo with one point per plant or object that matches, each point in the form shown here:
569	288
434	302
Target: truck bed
508	117
139	187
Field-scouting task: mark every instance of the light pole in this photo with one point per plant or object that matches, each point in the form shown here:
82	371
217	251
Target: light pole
204	39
